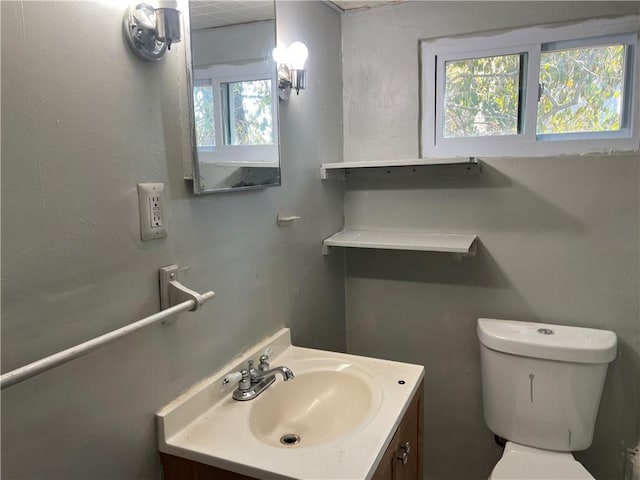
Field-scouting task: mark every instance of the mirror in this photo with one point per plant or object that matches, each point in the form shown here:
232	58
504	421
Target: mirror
234	104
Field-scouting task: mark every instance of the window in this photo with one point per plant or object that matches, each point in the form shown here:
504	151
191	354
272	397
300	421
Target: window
581	89
246	110
203	113
235	110
535	91
482	96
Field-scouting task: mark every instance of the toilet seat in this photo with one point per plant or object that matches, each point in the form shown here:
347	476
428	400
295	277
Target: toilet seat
520	462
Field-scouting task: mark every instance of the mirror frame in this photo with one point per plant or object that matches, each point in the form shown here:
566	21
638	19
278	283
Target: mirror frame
190	82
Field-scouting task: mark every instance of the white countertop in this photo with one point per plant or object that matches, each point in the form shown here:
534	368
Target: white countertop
206	425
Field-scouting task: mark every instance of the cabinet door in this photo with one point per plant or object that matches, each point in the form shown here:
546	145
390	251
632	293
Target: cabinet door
178	468
408	458
385	470
406	441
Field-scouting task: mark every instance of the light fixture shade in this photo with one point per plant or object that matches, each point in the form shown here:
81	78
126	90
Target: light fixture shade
298	80
168	22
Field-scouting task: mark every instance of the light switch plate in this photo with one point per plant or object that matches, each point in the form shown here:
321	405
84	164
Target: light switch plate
153	222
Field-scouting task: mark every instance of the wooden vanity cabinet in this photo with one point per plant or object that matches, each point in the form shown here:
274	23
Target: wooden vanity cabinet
178	468
406	443
403	458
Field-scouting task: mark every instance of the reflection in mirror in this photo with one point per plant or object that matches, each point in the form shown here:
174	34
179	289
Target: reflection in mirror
235	101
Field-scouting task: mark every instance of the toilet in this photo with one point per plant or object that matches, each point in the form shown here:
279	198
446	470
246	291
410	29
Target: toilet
541	388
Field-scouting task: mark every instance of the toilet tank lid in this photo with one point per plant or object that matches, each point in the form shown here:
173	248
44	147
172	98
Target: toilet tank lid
545	341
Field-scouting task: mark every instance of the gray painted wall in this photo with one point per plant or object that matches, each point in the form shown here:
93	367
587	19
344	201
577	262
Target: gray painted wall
83	122
233	44
558	239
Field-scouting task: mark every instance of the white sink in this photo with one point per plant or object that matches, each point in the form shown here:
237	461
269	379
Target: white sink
343	408
315	407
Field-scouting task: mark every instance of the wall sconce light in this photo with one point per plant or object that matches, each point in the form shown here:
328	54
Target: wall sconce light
151	31
291	72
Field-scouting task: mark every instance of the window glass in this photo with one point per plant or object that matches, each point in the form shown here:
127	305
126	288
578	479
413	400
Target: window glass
546	90
247	111
482	96
203	113
581	90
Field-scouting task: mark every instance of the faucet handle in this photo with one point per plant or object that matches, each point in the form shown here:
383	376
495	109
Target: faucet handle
231	379
264	364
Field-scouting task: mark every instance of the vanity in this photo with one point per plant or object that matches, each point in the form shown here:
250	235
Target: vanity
341	417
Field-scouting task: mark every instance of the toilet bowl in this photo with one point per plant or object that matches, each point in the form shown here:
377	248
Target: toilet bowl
541	389
520	462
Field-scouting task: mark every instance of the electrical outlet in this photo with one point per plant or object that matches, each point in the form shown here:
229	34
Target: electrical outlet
155	213
152	219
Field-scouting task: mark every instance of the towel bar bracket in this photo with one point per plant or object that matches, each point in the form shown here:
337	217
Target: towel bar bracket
172	292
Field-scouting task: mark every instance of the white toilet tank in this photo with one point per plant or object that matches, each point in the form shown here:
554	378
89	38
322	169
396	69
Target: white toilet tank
541	384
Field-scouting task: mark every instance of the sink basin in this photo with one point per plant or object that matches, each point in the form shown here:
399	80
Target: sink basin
344	409
313	408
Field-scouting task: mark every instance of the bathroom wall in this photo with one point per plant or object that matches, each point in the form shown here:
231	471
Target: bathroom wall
234	43
83	122
558	238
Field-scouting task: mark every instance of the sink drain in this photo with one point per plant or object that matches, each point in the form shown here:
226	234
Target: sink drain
290	439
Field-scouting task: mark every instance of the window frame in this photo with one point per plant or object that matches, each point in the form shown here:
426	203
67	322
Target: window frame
531	42
225	155
627	85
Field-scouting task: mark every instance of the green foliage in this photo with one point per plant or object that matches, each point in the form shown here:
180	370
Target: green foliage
203	114
582	90
250	117
481	96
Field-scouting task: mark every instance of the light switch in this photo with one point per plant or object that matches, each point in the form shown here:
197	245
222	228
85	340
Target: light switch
152	218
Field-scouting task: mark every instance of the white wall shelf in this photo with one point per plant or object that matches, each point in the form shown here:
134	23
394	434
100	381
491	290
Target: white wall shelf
461	244
470	162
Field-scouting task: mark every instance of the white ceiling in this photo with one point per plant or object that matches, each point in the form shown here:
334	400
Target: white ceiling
220	13
209	14
346	5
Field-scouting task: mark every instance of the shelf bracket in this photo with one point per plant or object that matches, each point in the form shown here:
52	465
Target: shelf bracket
332	173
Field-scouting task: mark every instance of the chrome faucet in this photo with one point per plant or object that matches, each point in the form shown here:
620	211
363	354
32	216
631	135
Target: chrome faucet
255	381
